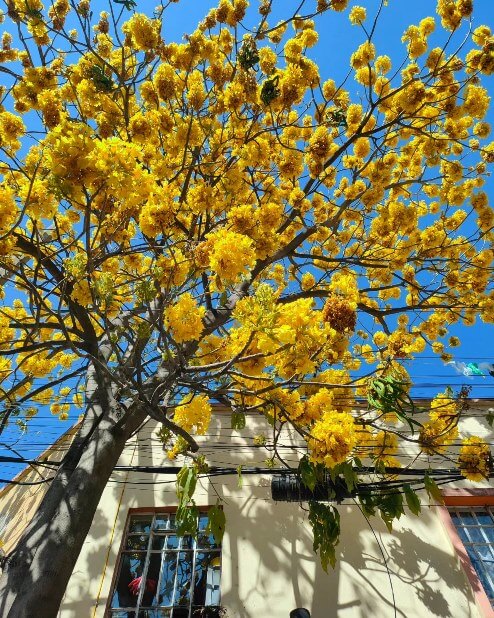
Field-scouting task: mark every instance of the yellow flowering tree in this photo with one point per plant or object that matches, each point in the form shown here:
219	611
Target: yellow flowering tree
214	220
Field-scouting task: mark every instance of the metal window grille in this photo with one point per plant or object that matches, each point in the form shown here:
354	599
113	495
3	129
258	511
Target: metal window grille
160	575
475	527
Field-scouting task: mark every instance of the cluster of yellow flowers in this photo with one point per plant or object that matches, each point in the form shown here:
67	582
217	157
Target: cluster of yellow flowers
416	36
339	314
11	129
9	212
481	59
293	336
229	254
193	414
474	459
184	319
442	430
143	32
452	12
332	438
316	405
158	212
357	15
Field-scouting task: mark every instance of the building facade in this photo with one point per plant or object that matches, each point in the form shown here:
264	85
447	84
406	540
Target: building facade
133	565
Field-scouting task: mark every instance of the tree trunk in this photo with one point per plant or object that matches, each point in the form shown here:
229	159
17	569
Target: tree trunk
38	570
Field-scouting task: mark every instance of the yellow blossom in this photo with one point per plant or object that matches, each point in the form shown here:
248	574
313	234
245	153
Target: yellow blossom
474	459
357	15
231	254
193	414
332	438
184	318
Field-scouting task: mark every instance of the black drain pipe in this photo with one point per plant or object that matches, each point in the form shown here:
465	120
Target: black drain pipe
289	488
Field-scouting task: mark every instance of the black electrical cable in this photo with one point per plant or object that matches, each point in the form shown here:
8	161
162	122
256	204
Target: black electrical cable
225	471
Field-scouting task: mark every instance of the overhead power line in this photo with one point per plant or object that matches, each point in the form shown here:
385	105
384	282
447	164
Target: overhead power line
216	470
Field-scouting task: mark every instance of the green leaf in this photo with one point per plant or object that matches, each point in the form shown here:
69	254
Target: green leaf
350	477
380	467
325	522
216	522
186	484
367	504
100	79
390	508
412	499
187	511
270	90
248	55
490	418
128	4
307	473
433	490
187	519
406	419
240	478
238	420
334	471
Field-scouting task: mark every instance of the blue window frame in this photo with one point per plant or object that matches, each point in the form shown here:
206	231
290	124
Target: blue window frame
475	526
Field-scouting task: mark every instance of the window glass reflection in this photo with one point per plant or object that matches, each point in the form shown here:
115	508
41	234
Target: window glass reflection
167	580
131	567
140	523
161	575
184	576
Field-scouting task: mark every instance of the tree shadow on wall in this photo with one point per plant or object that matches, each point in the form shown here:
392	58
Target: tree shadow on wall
279	543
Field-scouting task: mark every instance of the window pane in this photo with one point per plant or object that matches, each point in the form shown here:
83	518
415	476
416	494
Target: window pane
462	534
206	541
489	533
489	568
485	552
467	518
477	564
172	541
206	582
149	598
203	521
140	523
131	567
159	542
184	576
137	542
161	521
484	518
475	535
168	570
187	542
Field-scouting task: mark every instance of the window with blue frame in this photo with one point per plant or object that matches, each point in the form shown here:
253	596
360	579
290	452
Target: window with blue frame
475	526
162	575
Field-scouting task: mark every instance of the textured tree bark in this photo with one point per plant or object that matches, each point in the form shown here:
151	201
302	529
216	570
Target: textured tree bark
37	572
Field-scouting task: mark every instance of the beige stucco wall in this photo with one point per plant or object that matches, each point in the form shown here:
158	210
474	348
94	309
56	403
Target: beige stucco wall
268	566
19	502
